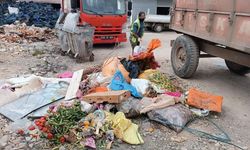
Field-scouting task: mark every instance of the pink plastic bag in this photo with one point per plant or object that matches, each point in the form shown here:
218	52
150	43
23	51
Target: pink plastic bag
66	74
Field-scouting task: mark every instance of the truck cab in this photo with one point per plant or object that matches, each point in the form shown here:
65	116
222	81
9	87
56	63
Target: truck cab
109	17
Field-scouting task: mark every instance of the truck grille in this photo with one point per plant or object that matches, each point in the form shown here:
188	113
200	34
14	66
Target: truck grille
108	30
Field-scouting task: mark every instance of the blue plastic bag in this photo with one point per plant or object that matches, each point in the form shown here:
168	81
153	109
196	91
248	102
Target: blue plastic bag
119	83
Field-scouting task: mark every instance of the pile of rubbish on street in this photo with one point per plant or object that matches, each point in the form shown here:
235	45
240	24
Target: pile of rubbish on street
21	33
37	14
93	107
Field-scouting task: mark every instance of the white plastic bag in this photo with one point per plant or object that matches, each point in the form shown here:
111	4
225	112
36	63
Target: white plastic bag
98	79
141	85
13	10
138	50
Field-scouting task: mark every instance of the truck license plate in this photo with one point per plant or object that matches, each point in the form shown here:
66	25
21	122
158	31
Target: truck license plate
107	37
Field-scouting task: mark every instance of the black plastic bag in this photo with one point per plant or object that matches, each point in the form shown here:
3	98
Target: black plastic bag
174	117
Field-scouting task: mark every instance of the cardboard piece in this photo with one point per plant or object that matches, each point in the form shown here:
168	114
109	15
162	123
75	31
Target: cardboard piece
74	85
113	97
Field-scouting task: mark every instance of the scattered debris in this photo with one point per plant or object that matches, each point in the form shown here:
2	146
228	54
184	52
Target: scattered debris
97	101
21	33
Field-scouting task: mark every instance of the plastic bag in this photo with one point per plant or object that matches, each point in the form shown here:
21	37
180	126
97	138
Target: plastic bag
163	101
124	129
141	85
97	79
119	83
204	100
111	65
175	117
130	107
155	43
138	50
146	74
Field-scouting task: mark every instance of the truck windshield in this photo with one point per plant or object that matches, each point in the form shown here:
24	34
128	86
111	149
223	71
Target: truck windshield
103	7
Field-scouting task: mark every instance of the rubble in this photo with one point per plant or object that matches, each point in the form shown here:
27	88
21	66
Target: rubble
21	33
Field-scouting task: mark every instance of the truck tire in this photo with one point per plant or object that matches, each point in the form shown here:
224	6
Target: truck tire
158	28
236	68
185	56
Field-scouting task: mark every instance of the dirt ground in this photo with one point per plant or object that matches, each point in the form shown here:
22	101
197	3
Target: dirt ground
212	76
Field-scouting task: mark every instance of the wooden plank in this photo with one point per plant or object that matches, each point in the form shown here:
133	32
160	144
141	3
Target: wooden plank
112	97
74	85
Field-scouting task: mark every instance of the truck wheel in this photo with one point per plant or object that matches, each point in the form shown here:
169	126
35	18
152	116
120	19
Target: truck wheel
236	68
184	56
158	28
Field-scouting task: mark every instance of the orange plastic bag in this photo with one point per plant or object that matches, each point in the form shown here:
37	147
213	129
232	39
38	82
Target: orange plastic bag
111	65
155	43
204	100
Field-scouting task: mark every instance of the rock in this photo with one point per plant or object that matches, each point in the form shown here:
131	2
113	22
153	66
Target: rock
245	147
4	140
28	138
153	138
21	145
31	145
178	139
217	144
119	141
183	148
3	50
211	141
62	148
133	147
8	147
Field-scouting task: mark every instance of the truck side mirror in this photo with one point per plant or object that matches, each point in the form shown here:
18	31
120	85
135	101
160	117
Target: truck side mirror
129	13
129	5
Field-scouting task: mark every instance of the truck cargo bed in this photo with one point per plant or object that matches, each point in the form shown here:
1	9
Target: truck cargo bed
225	22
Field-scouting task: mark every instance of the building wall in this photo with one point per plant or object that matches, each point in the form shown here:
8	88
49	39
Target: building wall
164	3
143	5
148	6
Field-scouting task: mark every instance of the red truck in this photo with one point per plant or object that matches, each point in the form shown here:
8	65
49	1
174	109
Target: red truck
109	17
210	28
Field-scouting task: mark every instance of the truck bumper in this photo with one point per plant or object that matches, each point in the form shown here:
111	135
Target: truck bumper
110	38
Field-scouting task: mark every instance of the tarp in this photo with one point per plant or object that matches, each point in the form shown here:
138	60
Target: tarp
25	105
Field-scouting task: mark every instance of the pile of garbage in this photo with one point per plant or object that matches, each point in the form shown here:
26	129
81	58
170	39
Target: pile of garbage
90	108
37	14
21	33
